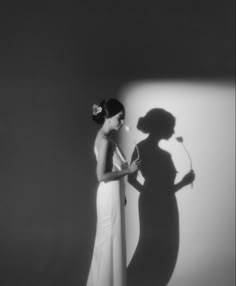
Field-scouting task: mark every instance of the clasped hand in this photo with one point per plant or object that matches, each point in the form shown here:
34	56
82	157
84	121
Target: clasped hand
134	166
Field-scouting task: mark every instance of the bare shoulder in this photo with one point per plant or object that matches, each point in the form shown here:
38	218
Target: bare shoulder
101	142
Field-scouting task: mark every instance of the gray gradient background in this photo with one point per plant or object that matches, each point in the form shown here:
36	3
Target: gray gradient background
56	59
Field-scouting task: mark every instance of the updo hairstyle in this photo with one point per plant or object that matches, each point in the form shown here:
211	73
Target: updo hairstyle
106	109
156	120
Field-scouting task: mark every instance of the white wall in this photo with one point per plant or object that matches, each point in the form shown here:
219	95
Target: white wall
205	114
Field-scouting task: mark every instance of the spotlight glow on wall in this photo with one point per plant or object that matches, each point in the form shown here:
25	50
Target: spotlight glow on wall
205	116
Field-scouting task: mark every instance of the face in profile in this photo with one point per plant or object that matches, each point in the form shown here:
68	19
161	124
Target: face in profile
162	132
117	121
168	132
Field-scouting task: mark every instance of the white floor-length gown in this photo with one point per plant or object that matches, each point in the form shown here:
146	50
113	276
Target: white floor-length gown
108	266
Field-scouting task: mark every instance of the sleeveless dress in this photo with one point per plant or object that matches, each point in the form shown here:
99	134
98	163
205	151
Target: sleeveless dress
108	266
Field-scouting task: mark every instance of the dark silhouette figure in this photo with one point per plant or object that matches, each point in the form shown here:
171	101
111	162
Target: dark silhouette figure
156	254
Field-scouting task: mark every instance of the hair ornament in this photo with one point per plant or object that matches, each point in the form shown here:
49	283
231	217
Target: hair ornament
96	109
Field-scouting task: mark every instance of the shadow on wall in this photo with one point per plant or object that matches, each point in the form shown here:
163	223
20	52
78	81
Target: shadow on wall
156	254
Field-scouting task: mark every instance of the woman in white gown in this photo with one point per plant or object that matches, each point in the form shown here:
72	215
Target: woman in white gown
108	266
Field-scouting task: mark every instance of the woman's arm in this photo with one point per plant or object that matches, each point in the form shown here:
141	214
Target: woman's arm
103	154
187	179
132	178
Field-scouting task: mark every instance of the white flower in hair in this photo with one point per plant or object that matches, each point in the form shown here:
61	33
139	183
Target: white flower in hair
96	109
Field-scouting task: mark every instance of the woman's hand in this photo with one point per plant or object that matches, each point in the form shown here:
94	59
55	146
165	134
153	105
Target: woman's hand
134	166
188	178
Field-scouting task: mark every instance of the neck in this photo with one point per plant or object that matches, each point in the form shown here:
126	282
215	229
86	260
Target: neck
153	139
105	130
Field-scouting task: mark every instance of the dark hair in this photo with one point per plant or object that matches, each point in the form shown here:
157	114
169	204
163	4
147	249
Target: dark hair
107	108
156	120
